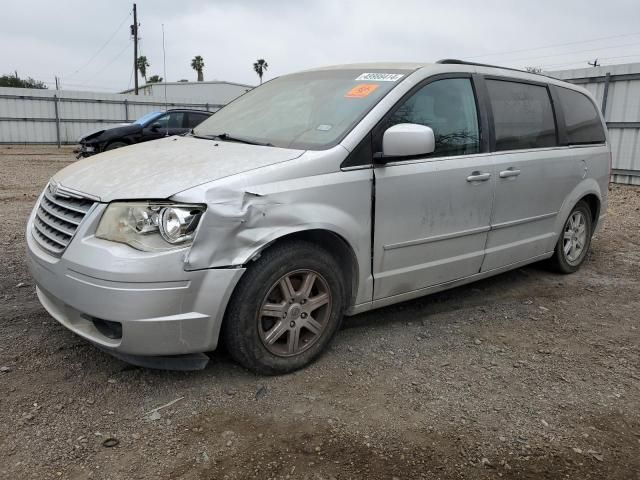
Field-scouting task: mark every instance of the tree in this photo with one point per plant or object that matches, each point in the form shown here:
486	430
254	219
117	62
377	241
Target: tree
143	63
16	81
260	66
197	63
154	79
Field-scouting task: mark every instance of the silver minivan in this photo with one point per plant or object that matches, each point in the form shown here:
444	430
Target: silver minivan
319	194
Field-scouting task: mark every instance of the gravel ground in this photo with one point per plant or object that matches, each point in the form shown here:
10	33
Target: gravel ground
526	375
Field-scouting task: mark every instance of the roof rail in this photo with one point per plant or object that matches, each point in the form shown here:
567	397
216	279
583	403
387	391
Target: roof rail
455	61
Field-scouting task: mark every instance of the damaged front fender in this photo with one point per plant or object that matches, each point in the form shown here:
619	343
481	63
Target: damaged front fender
240	222
236	227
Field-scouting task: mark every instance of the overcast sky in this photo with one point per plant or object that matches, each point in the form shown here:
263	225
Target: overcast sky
87	43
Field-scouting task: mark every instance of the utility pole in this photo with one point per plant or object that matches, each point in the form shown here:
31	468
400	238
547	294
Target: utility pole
57	84
134	32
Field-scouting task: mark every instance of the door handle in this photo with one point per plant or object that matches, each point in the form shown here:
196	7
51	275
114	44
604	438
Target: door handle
509	172
478	177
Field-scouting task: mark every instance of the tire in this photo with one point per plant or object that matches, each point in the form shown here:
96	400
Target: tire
267	344
565	258
114	145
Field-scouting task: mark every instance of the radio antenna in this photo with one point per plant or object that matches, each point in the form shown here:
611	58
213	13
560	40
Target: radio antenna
164	68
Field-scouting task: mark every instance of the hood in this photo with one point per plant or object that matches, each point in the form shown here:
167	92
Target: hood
161	168
99	131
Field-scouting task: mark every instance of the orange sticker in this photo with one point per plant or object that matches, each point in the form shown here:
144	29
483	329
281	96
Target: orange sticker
361	91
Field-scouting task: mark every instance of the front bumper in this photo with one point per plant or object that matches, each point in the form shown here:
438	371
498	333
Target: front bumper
84	150
161	309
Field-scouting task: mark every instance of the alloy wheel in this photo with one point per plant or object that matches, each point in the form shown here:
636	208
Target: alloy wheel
575	237
294	313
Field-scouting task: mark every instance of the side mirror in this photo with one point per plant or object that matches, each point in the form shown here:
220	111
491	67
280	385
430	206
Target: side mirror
406	140
155	127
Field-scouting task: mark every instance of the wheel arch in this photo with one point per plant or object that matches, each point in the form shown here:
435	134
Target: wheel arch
588	191
334	243
594	206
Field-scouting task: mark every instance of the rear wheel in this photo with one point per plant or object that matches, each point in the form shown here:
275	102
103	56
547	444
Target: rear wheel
114	145
286	309
574	241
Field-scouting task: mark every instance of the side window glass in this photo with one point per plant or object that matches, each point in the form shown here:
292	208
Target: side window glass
449	107
581	118
176	119
171	120
522	115
195	119
163	121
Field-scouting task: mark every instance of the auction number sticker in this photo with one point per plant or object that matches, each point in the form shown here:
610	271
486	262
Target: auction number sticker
361	91
379	77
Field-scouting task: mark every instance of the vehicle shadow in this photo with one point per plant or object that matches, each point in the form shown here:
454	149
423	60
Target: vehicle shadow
513	284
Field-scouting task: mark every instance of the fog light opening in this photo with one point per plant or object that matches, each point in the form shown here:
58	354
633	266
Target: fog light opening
109	329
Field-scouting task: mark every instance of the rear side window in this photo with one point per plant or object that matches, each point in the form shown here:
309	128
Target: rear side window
522	115
195	119
581	118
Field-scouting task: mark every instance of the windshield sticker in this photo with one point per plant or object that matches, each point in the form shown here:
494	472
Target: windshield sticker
380	77
361	91
323	128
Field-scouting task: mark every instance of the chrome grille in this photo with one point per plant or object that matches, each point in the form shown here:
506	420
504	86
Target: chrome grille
57	218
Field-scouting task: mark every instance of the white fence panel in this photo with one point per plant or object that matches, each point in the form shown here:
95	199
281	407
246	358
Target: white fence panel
32	116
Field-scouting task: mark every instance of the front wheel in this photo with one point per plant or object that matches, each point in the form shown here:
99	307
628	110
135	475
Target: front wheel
574	241
286	309
114	145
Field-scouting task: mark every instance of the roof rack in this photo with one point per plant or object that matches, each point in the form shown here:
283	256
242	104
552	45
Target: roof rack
455	61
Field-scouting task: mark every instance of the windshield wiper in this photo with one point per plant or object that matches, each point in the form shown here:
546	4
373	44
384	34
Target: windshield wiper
231	138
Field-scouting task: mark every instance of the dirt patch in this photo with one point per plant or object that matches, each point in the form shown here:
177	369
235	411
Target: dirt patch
527	375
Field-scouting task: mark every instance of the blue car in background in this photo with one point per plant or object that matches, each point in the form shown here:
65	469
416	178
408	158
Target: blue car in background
151	126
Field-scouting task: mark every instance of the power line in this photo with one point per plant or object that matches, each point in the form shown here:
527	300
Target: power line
551	46
107	64
102	47
573	52
589	59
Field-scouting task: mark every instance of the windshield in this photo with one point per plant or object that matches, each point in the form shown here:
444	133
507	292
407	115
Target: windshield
309	111
146	118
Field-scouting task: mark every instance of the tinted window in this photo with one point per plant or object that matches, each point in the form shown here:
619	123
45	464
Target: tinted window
147	118
581	118
195	119
449	108
171	120
522	115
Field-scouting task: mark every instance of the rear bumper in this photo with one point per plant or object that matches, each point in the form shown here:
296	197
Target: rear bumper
158	307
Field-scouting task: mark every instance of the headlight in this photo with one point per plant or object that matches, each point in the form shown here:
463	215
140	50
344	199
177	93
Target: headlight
150	226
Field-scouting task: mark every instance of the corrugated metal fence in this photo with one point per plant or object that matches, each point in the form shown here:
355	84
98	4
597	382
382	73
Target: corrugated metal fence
50	117
617	89
33	116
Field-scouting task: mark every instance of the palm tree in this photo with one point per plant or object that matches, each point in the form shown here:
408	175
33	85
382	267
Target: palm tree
260	66
143	63
198	64
154	79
